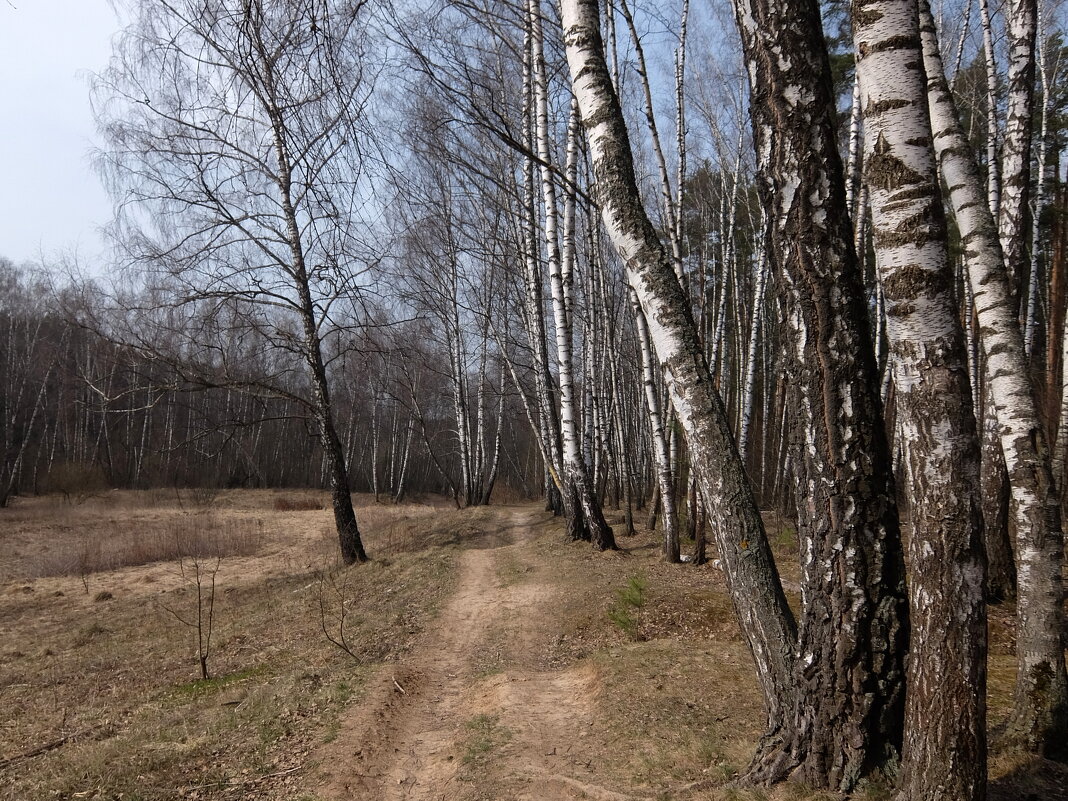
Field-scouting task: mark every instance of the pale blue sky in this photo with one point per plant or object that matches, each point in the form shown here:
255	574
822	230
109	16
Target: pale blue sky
51	201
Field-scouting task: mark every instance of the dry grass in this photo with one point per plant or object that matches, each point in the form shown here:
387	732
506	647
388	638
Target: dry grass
82	553
112	685
287	503
678	714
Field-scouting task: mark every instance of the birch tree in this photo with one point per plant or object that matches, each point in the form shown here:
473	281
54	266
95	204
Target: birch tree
852	632
234	133
766	620
585	519
1040	715
1021	20
944	753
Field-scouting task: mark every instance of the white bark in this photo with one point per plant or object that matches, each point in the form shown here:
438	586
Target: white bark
755	587
1035	504
751	360
587	521
993	179
945	704
664	475
1020	27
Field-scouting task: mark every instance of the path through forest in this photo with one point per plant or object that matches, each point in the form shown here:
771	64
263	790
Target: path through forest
471	713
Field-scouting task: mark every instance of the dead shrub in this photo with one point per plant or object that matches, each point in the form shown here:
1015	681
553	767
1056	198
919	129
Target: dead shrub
194	536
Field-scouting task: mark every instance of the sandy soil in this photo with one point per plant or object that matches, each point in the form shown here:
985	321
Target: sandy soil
422	731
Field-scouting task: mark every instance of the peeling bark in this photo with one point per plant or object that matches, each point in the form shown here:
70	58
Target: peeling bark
853	627
944	755
1040	717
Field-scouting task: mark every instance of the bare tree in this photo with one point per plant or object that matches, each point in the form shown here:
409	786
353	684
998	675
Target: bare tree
236	152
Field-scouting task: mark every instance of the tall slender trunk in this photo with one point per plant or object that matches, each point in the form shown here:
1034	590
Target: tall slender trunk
1020	26
765	617
1031	317
548	420
585	520
993	167
348	531
665	480
749	382
1040	716
944	755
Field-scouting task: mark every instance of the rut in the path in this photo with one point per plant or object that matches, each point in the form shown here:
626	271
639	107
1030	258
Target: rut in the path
412	744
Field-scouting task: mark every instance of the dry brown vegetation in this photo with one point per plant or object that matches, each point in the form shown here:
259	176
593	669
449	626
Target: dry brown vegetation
99	698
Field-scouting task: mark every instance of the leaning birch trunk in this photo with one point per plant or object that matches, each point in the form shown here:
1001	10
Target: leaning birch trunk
765	617
665	480
944	755
1040	717
1021	29
850	675
349	539
585	519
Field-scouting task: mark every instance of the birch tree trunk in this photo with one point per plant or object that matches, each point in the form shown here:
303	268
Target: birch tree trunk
1031	317
1040	717
746	416
585	519
853	626
944	755
1020	27
665	479
993	168
766	620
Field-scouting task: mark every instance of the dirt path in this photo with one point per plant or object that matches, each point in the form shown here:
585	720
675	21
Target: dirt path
469	715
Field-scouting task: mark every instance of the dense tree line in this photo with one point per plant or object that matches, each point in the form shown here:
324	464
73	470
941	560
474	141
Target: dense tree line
462	247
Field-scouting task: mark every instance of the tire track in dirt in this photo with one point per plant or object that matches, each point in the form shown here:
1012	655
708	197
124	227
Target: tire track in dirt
409	737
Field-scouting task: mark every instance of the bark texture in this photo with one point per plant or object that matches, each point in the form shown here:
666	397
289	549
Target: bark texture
1021	20
1040	719
765	617
944	754
847	717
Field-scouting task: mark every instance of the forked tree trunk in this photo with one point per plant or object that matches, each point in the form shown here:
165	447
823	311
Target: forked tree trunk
1040	716
765	617
944	754
850	677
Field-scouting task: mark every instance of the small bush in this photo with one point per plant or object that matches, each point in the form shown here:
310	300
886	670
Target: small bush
203	497
76	482
626	612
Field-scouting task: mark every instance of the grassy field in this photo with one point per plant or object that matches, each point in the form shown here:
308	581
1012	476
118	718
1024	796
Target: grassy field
100	688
